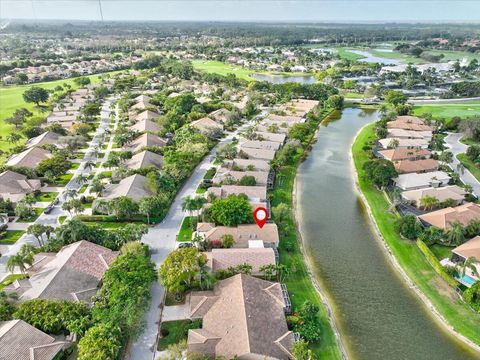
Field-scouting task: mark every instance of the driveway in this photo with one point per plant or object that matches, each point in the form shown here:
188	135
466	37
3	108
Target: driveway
456	147
162	240
51	218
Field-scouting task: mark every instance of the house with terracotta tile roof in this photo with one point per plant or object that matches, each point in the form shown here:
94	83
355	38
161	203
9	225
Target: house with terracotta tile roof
242	234
416	166
229	176
404	154
403	143
21	341
259	154
222	259
443	218
242	317
134	187
408	134
73	273
254	193
15	186
145	125
471	248
144	159
453	192
145	140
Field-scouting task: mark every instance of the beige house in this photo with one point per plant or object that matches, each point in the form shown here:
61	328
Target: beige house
134	187
243	235
73	273
471	248
145	140
254	193
404	143
29	158
247	164
46	138
263	145
21	341
268	136
408	134
144	159
145	125
259	154
220	116
404	154
442	194
422	180
222	259
204	125
225	175
146	115
242	317
14	186
444	218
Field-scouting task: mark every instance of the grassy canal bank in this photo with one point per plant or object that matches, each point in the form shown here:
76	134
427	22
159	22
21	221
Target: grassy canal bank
447	304
299	283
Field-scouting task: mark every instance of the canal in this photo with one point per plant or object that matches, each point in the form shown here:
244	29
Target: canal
379	317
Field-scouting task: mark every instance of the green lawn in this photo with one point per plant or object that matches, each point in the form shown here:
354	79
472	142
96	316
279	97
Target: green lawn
63	180
83	188
299	283
11	237
441	251
11	99
448	110
74	166
38	212
173	332
46	196
345	54
107	224
62	219
409	256
10	279
200	190
185	233
470	165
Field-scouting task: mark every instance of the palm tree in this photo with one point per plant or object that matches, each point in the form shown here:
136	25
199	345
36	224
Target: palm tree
393	144
188	205
470	263
456	235
429	202
89	165
97	187
20	260
460	168
82	179
71	193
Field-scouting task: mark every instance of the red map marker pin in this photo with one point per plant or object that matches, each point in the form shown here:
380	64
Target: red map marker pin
260	215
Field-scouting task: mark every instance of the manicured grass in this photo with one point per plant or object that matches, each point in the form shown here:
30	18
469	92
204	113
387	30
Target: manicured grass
175	331
11	99
441	251
345	54
62	219
222	68
351	95
299	283
46	196
11	237
442	296
106	174
38	212
107	224
63	179
74	166
83	188
185	233
469	142
470	165
448	111
200	190
10	279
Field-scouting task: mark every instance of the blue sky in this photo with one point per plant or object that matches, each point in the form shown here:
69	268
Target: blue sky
248	10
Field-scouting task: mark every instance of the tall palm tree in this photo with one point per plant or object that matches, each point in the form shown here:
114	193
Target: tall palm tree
470	263
71	193
89	165
188	205
456	235
429	202
19	260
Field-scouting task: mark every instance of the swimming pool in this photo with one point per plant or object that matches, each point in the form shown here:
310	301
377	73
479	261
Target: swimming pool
466	280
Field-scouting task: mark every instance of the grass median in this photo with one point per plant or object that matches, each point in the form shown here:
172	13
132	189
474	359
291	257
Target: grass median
457	313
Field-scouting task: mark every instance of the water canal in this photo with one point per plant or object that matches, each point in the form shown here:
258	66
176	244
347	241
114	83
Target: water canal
379	317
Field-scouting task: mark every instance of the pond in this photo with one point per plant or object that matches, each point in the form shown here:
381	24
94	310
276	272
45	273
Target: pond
379	317
370	58
282	79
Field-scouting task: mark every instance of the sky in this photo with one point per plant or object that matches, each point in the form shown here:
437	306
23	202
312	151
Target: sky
247	10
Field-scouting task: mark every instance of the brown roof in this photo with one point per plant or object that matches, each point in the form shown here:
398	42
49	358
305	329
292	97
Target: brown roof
261	144
73	274
29	158
21	341
242	234
220	115
404	154
205	124
409	123
146	115
252	192
260	154
14	186
243	316
222	174
453	192
144	159
225	258
144	140
443	218
469	249
409	166
145	125
257	164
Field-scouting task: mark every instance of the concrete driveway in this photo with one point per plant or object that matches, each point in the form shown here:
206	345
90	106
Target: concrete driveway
456	147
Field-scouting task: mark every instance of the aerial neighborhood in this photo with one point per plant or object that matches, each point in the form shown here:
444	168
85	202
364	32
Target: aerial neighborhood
207	191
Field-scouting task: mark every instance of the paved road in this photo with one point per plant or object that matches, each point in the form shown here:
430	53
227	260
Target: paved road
51	219
456	147
162	240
